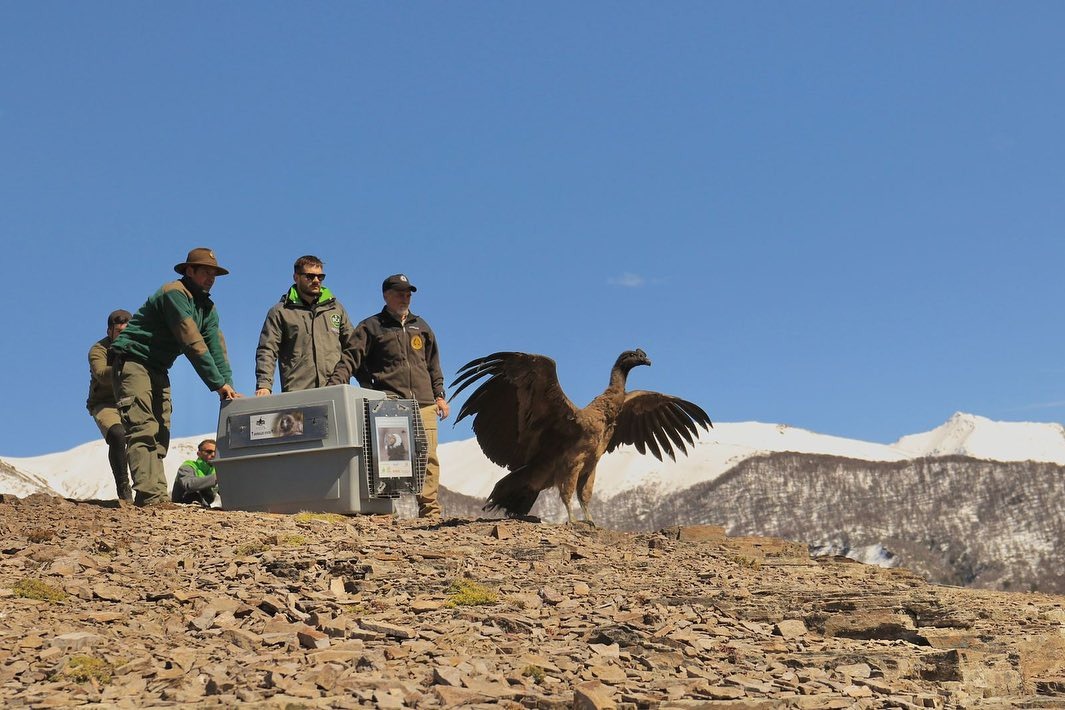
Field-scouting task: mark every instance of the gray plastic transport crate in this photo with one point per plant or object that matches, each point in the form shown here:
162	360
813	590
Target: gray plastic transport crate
339	449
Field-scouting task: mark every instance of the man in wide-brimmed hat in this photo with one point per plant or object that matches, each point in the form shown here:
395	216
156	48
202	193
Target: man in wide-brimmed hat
178	318
101	402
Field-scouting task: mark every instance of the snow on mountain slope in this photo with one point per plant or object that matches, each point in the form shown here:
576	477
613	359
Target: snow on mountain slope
18	483
464	469
982	438
83	472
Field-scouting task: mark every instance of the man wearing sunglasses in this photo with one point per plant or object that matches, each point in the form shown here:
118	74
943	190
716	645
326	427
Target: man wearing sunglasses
302	334
196	481
178	318
101	403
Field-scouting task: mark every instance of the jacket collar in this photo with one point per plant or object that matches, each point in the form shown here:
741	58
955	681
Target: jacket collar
292	298
202	466
198	294
388	319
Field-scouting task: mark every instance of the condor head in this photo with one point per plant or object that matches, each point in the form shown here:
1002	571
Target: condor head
632	358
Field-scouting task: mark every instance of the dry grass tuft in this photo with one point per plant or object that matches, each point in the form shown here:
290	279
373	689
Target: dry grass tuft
83	669
29	588
465	592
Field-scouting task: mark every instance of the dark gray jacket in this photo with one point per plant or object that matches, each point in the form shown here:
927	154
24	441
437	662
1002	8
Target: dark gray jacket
401	358
196	482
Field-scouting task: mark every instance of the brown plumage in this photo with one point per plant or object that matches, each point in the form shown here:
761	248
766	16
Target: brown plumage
526	423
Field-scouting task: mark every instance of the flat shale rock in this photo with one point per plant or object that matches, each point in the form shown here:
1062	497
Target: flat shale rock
179	606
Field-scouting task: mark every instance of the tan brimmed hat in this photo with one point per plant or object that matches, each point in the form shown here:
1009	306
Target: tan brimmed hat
200	256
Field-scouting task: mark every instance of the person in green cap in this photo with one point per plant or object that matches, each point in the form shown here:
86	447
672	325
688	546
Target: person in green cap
196	481
179	318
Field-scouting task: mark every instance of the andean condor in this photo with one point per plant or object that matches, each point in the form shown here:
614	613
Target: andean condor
526	423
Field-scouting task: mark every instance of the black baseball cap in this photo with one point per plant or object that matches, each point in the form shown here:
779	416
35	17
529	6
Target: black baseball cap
398	281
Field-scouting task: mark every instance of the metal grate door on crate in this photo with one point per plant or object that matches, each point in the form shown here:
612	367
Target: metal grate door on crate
399	449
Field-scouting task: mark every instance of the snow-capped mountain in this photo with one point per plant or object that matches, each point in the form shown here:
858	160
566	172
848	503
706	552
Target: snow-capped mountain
465	469
980	438
972	502
83	472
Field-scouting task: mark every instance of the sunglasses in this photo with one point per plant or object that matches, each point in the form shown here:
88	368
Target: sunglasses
312	277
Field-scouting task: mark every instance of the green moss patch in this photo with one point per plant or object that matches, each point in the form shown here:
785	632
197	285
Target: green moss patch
465	592
250	548
29	588
292	540
82	669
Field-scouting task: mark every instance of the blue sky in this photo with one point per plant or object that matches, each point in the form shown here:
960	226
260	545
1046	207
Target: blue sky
841	216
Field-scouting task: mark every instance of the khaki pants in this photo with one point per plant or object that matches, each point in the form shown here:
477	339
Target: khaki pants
143	398
428	507
105	417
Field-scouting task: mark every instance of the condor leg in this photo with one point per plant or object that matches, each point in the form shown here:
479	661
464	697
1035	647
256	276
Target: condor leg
584	493
566	487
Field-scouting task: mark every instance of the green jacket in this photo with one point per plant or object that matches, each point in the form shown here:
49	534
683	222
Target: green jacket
303	341
178	318
196	481
101	390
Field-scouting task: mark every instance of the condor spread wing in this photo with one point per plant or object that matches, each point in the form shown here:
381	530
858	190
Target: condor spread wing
658	422
519	409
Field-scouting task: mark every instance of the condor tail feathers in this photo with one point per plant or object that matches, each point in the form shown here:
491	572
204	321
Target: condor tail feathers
514	494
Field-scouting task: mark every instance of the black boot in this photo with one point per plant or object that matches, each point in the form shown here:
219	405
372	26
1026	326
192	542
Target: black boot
116	456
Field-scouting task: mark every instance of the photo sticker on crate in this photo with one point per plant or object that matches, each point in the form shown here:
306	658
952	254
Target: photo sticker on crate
393	438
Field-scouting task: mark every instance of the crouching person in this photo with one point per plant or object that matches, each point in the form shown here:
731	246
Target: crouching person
196	481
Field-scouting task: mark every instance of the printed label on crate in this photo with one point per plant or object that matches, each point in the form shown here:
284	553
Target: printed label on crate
276	425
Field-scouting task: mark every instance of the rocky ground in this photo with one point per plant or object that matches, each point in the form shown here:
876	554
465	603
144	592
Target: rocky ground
106	605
